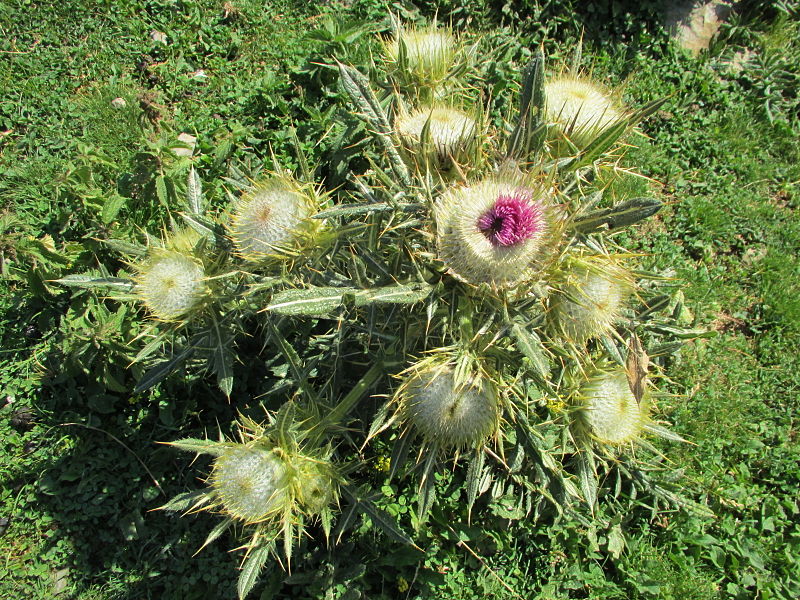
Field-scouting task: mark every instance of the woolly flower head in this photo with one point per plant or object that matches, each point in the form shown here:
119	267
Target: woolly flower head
494	231
451	131
446	413
580	108
270	216
592	299
428	53
250	482
609	410
171	284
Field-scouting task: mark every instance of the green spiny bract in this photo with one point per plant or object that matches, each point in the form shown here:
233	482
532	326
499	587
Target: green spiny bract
579	109
446	412
607	410
274	214
590	299
498	231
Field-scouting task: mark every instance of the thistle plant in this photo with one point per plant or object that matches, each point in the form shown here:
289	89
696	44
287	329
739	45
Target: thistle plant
499	272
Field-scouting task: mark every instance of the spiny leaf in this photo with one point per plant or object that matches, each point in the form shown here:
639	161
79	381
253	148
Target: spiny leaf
91	282
295	364
185	501
201	446
251	569
377	516
194	193
587	477
222	357
161	371
474	475
621	215
218	530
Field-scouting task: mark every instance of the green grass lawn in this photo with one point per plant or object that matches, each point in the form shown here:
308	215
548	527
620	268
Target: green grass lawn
80	470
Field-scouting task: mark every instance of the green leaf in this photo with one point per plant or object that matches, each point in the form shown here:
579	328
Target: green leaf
529	344
313	302
360	208
161	371
200	446
218	530
91	282
474	477
621	215
529	133
378	517
335	416
222	357
194	193
111	208
294	361
125	247
251	569
394	294
587	477
186	501
616	541
358	88
161	191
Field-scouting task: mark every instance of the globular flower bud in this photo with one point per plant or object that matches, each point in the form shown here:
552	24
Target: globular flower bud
171	284
450	133
429	53
609	410
270	216
592	298
448	414
580	109
495	232
250	482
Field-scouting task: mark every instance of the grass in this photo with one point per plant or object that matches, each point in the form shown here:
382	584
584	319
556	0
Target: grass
76	499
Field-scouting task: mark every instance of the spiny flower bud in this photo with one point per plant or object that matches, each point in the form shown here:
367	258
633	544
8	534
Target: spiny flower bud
609	410
429	53
171	284
250	482
580	108
591	300
493	232
273	214
451	132
446	413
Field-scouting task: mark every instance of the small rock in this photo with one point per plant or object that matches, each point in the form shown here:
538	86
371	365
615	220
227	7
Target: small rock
159	37
60	581
188	140
119	103
199	75
694	23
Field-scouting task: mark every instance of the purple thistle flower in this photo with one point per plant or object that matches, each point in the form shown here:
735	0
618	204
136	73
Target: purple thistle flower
512	220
